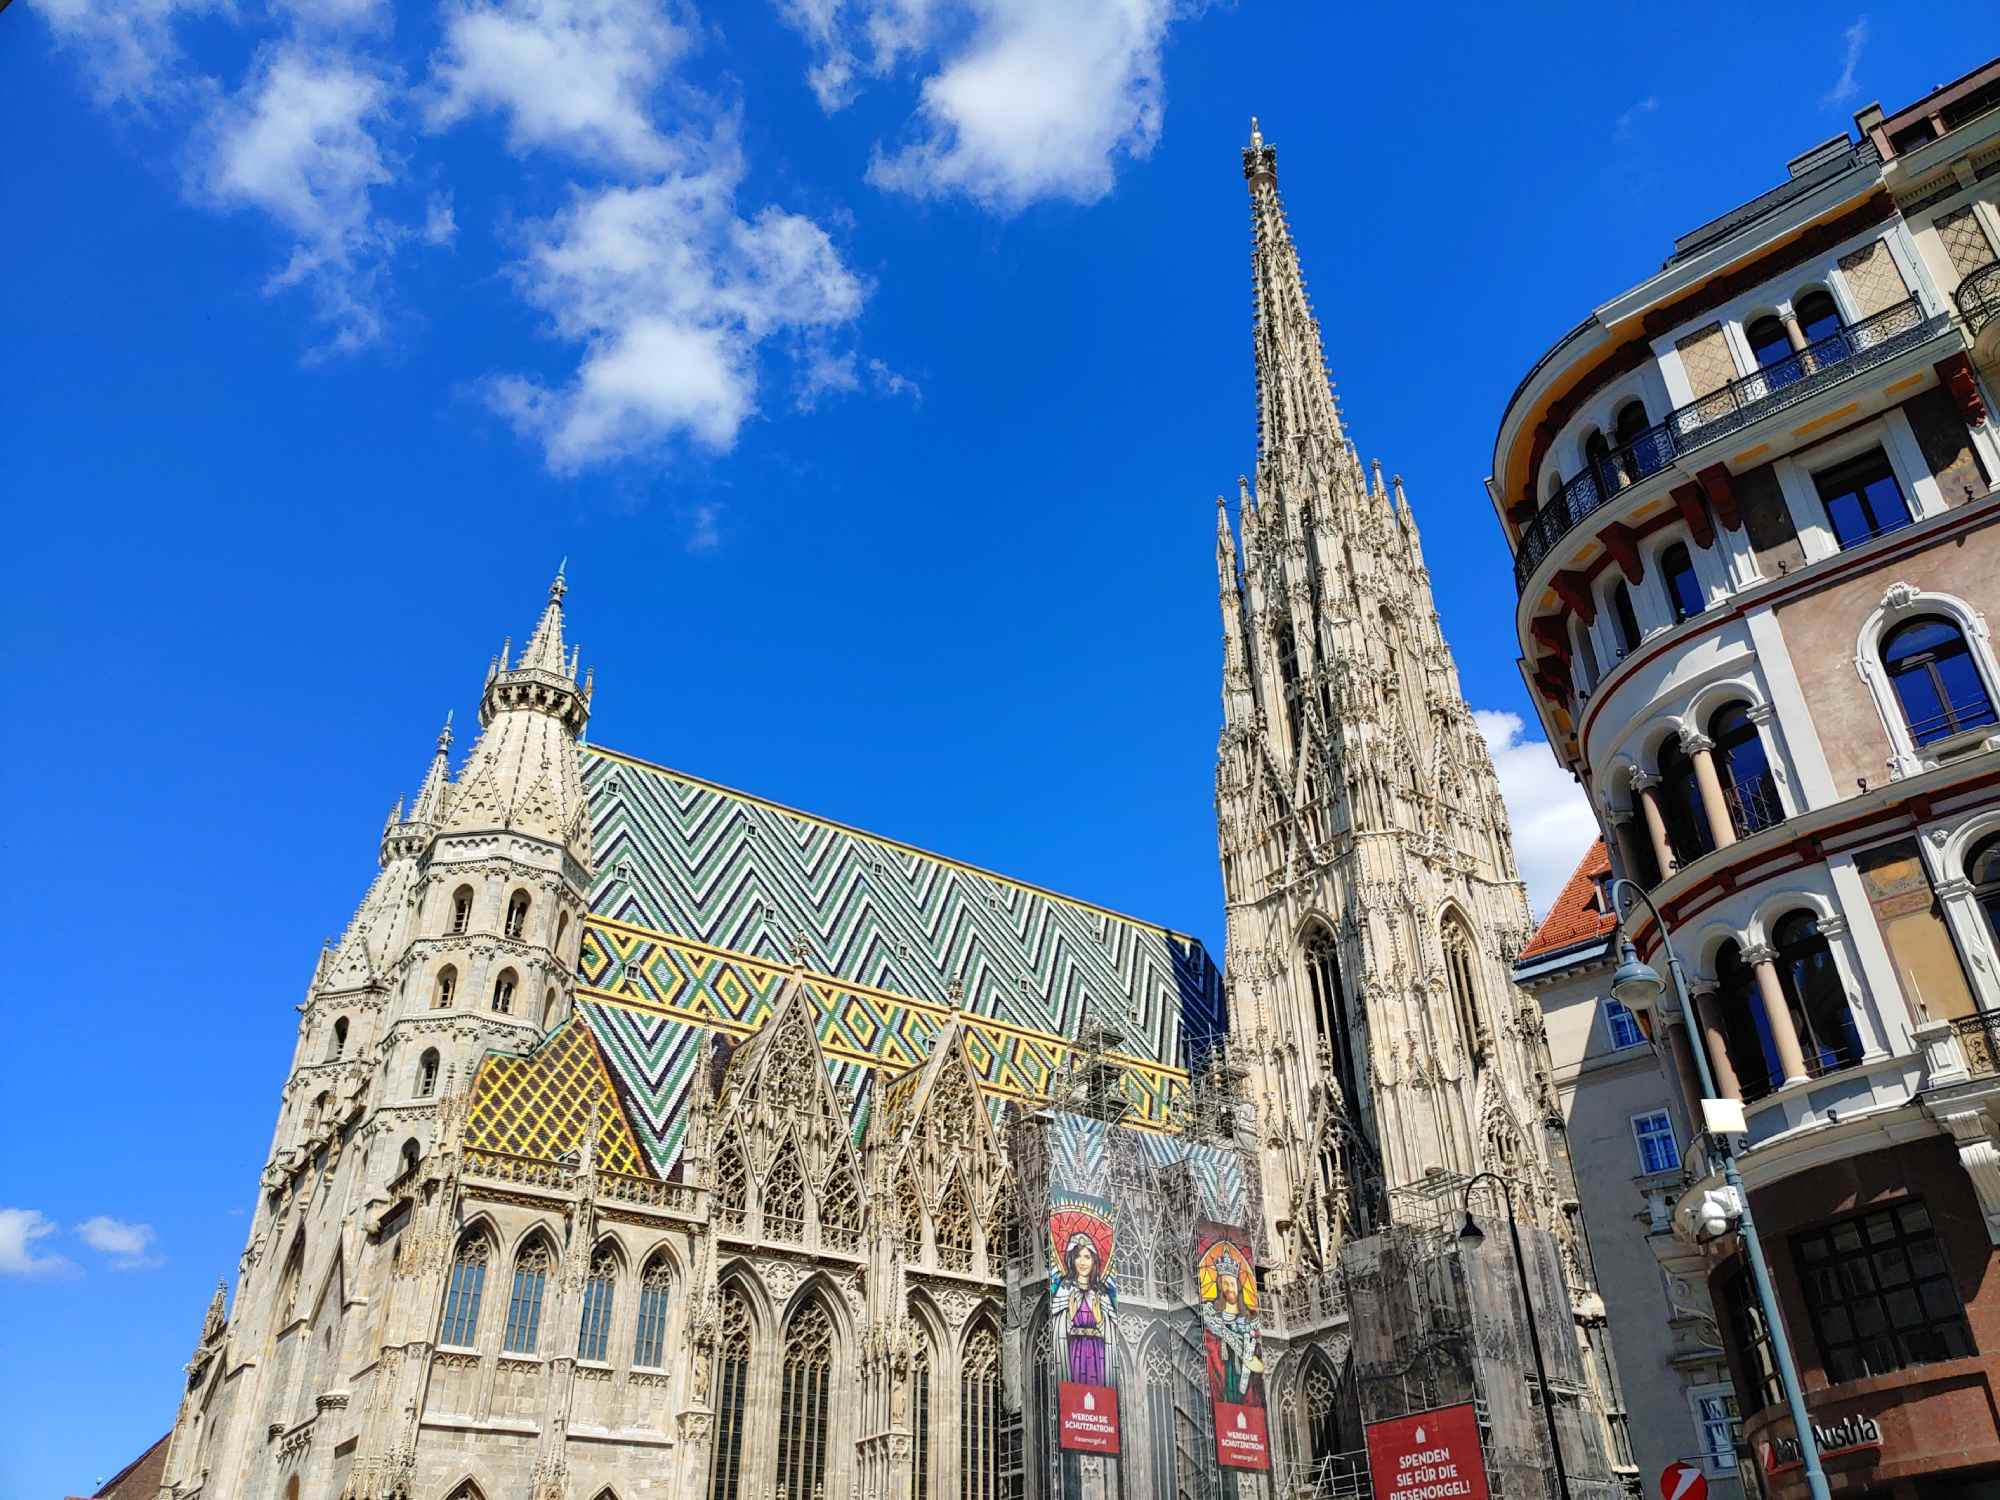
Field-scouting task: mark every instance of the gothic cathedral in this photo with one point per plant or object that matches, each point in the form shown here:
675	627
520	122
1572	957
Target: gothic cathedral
648	1138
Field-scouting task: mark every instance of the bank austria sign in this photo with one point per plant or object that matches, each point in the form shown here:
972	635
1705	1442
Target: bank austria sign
1849	1434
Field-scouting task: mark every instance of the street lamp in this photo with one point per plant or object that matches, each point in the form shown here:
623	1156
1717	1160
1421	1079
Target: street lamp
1636	984
1471	1236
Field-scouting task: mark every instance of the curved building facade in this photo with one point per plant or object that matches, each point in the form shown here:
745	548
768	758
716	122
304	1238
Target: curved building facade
1751	503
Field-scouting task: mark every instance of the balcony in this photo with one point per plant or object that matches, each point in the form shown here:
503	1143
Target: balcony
1978	1037
1817	367
1979	297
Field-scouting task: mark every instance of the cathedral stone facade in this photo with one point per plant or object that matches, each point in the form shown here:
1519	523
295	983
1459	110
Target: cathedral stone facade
645	1137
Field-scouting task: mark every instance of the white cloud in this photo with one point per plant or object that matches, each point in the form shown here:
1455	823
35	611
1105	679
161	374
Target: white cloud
128	48
704	528
671	293
1551	817
574	75
334	15
889	383
298	142
440	222
1845	87
125	1243
1028	100
1622	129
20	1228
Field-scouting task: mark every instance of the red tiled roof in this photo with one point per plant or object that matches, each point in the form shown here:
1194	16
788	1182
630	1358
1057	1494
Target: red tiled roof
1576	917
141	1477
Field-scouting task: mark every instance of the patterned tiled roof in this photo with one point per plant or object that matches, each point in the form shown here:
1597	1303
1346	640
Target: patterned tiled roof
704	895
1577	914
540	1104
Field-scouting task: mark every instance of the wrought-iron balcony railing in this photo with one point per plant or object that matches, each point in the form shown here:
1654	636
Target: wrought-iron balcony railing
1750	398
1979	297
1979	1042
1753	804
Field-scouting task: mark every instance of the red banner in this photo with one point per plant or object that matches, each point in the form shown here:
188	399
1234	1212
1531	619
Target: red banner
1429	1455
1242	1437
1089	1417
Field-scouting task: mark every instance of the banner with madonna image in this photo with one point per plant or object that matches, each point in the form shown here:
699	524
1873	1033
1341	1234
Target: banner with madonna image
1227	1278
1083	1304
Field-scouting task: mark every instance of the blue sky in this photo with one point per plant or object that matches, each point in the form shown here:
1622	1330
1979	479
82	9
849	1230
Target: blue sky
875	363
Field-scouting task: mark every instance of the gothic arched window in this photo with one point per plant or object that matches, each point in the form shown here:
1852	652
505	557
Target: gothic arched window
517	915
732	1185
462	1294
548	1005
785	1196
1818	997
804	1393
503	992
910	1215
562	932
1463	979
732	1381
524	1303
979	1416
954	1227
1288	677
1329	1001
1160	1418
920	1420
288	1283
649	1344
1322	1389
427	1073
337	1044
446	987
593	1335
461	909
840	1210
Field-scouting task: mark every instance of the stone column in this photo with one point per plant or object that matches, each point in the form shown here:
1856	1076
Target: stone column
1763	960
1684	1064
1793	332
1701	751
1714	1038
1645	786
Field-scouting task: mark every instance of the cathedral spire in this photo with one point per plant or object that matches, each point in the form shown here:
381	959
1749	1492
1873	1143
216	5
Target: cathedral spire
544	651
1298	422
437	778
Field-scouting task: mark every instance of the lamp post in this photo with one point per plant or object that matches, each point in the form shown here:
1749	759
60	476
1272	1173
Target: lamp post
1635	984
1472	1235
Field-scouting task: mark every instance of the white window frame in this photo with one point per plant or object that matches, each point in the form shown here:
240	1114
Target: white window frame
1904	601
1639	1141
1612	1010
1713	1465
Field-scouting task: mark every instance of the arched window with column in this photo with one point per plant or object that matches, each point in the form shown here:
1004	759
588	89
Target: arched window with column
427	1073
461	910
1816	993
1818	317
979	1415
1743	769
1936	679
1680	804
732	1388
1769	343
517	915
1636	457
445	988
1597	458
805	1393
1746	1030
503	992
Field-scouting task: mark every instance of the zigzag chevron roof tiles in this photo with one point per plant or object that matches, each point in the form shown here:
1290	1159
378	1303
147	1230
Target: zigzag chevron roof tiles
702	893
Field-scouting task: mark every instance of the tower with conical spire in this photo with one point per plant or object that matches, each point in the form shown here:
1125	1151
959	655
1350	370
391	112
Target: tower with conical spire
1374	907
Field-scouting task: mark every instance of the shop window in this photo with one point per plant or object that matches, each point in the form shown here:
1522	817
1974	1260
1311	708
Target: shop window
1881	1294
1862	498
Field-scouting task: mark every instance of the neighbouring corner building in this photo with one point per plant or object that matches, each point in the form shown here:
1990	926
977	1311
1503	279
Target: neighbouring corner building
1752	507
645	1137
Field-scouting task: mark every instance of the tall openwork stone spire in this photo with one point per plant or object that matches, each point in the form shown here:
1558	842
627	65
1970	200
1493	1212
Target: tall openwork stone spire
1298	422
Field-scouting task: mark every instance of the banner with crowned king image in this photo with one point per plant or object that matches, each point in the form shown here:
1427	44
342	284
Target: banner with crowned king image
1227	1278
1083	1304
